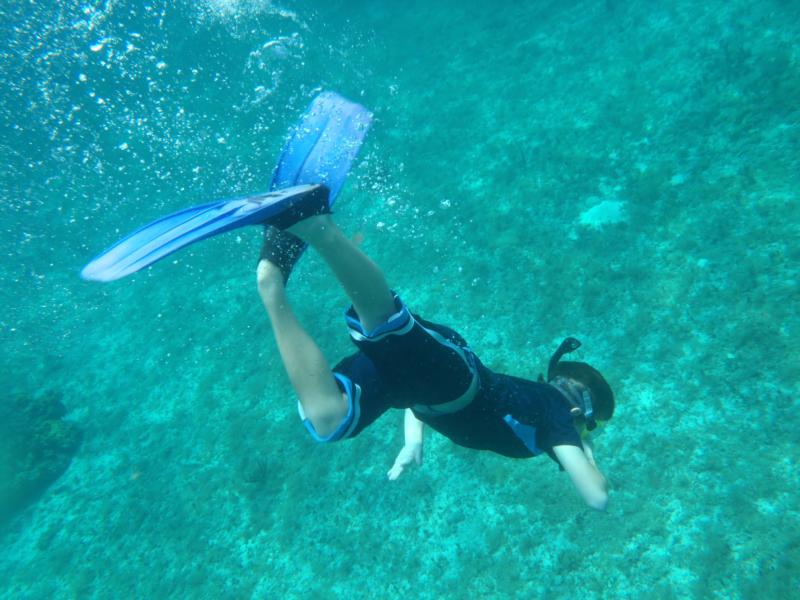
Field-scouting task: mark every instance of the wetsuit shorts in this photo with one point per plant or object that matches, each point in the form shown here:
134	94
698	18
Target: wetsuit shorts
406	362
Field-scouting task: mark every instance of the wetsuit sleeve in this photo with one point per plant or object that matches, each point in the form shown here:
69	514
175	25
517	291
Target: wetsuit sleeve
561	432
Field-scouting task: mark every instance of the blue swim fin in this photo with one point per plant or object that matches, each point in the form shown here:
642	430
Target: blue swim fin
323	145
320	149
161	238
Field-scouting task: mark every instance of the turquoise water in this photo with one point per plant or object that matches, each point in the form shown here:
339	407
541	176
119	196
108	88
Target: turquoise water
628	173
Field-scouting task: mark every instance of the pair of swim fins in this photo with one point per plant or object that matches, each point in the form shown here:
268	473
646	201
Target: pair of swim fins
320	150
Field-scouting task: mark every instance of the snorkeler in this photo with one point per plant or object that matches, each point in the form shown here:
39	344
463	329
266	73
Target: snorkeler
403	361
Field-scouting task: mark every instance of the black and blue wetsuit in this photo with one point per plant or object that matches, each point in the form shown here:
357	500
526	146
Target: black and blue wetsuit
411	363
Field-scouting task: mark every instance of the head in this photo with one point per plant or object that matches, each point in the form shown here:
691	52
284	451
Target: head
590	397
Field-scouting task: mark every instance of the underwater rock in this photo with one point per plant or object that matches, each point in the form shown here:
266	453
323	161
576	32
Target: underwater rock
36	448
606	212
254	470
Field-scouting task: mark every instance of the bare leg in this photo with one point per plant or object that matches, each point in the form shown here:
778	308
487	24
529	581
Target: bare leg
362	280
324	405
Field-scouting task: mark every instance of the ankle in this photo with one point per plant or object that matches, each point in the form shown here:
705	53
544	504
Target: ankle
270	280
315	230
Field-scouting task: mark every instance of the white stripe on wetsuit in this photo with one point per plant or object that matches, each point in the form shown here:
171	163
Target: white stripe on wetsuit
467	397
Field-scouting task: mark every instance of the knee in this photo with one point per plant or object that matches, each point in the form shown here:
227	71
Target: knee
334	418
326	421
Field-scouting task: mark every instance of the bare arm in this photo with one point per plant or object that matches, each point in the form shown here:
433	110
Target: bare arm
412	450
412	428
585	475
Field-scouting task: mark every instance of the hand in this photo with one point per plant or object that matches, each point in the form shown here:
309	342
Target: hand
408	455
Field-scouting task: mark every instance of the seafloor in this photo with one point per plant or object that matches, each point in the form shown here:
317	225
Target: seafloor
624	172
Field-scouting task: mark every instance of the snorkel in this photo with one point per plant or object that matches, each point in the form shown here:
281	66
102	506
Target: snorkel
580	404
568	345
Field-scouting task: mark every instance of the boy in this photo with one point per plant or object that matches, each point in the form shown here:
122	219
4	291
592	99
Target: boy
427	369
